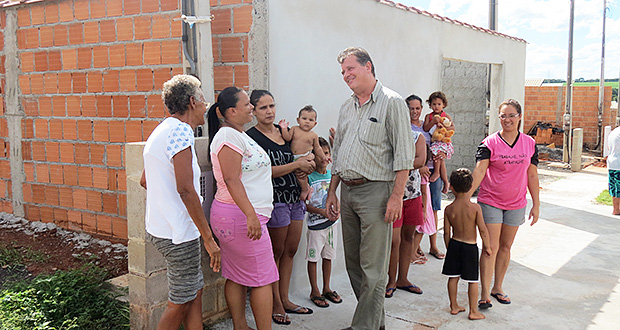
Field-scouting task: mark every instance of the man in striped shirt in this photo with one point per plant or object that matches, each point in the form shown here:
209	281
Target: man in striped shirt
373	153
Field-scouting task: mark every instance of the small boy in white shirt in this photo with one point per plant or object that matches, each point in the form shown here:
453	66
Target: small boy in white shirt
321	232
303	141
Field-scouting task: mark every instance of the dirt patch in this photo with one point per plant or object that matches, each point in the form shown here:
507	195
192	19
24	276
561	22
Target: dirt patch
55	248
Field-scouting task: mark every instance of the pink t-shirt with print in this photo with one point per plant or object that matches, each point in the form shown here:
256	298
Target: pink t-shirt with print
505	183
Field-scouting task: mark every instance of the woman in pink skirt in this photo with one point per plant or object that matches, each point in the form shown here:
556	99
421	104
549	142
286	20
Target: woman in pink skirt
241	209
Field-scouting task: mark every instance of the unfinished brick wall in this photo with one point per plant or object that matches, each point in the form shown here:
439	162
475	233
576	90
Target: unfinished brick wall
90	78
546	104
233	20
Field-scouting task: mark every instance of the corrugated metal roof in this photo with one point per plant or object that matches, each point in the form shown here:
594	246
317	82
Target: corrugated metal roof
446	19
9	3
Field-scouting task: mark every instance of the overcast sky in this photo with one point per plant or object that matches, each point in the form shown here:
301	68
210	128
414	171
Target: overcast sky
544	25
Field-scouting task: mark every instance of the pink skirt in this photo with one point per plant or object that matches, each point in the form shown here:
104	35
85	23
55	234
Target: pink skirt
244	261
439	146
428	227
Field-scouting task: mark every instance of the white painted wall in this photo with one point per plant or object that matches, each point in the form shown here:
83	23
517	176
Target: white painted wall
407	49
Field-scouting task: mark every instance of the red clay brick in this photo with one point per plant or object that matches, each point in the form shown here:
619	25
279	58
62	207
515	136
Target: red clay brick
127	80
61	35
51	12
84	56
231	49
101	132
169	5
152	53
46	33
108	30
47	214
223	77
221	24
93	200
70	175
120	108
82	153
144	80
121	180
147	128
32	213
60	215
161	26
111	81
132	7
170	52
109	201
176	28
38	151
100	57
134	130
113	154
40	61
52	151
100	178
124	27
104	225
66	152
91	32
89	220
95	81
155	108
42	177
81	10
27	62
78	81
54	60
150	6
119	228
97	8
242	78
114	8
122	204
74	104
32	38
41	129
117	55
104	106
37	14
137	104
142	27
55	129
242	19
133	54
51	83
24	84
112	182
51	195
89	106
161	76
76	33
23	16
59	106
69	59
117	131
97	154
30	106
65	196
29	171
85	130
79	199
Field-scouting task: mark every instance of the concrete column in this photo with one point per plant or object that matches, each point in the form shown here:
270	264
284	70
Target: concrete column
258	52
606	131
575	163
497	96
148	286
14	112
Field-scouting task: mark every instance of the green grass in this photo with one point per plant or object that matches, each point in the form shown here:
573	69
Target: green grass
14	257
604	198
76	299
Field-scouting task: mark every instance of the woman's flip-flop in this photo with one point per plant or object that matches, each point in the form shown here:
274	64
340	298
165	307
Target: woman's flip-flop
389	292
298	310
501	298
333	296
437	254
280	319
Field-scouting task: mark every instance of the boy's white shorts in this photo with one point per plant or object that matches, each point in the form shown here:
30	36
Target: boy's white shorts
321	244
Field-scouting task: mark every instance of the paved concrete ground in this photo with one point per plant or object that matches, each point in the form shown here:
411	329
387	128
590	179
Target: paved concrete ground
564	273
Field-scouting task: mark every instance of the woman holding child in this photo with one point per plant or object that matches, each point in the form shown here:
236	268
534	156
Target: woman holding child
506	168
286	223
241	209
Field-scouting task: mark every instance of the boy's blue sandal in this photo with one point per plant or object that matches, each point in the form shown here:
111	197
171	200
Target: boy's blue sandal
484	304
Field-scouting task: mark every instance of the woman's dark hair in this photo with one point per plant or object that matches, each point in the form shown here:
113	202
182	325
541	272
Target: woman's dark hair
413	97
227	99
177	91
438	95
257	94
513	103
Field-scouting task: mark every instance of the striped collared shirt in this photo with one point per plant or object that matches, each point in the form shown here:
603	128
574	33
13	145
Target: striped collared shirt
373	140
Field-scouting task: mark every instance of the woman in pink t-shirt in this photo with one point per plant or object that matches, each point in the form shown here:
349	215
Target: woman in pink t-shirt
505	169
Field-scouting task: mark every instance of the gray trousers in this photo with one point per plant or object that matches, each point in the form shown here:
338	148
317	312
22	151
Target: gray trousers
367	240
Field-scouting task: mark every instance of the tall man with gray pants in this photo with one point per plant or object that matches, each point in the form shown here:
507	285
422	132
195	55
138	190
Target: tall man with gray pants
373	153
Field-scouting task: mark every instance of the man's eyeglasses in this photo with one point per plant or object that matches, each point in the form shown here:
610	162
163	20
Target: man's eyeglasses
512	115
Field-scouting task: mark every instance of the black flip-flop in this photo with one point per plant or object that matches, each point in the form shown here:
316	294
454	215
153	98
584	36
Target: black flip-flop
389	292
333	296
484	304
319	301
297	309
501	298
